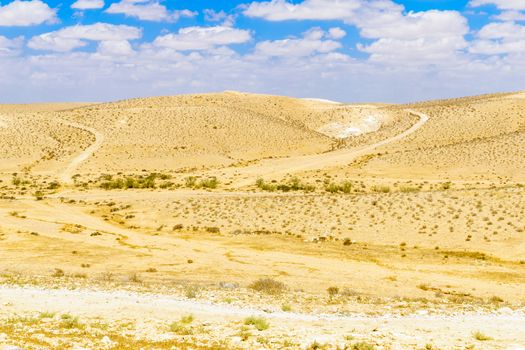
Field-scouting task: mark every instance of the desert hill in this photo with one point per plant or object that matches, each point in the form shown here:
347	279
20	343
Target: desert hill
211	129
244	221
478	137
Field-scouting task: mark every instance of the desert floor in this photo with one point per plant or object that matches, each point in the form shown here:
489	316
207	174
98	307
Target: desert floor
239	221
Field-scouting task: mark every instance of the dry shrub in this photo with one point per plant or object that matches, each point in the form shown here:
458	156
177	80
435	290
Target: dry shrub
268	286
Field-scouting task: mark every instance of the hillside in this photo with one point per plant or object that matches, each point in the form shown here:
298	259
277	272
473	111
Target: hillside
209	130
474	138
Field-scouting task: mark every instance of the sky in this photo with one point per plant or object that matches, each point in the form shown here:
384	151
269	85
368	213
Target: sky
343	50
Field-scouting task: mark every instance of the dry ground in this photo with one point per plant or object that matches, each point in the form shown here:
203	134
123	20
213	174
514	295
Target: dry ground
119	220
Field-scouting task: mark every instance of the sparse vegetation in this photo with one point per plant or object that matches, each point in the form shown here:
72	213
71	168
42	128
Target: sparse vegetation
258	322
293	184
481	336
268	286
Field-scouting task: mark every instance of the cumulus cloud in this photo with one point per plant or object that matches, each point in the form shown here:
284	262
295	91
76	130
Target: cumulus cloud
202	38
336	33
413	25
88	4
147	10
311	43
10	46
281	10
413	37
69	38
501	4
500	38
26	13
511	16
115	48
219	16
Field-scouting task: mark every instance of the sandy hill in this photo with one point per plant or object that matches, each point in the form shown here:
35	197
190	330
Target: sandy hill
208	130
32	137
468	138
472	138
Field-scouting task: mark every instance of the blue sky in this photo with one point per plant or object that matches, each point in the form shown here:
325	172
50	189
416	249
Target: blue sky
346	50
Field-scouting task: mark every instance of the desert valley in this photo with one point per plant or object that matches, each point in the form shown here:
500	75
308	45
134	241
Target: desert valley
245	221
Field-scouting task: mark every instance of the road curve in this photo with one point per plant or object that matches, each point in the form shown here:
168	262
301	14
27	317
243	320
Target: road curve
67	174
280	167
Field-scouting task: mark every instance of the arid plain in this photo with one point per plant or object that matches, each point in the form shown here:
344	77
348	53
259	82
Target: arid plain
243	221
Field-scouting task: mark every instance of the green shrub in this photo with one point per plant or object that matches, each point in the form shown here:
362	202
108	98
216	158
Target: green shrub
345	187
363	346
294	184
258	322
381	189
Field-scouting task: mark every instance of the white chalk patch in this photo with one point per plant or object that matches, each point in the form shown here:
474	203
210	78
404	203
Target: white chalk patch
339	130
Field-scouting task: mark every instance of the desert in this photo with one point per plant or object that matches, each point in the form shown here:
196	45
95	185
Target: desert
235	221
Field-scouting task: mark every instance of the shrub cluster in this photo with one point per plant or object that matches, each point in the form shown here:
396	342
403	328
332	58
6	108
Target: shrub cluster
345	187
294	184
140	181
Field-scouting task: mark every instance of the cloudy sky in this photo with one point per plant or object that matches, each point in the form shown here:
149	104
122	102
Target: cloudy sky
346	50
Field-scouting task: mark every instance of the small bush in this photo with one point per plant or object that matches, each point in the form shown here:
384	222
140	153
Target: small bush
286	308
268	286
345	187
208	183
70	322
381	189
408	189
39	195
191	291
480	336
46	314
332	291
58	273
258	322
181	327
363	346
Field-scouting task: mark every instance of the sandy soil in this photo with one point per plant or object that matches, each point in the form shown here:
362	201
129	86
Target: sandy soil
119	220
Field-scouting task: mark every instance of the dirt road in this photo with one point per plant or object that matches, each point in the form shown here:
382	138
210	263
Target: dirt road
444	330
272	168
66	175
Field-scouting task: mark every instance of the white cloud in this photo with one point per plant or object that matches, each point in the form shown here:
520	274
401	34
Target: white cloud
413	25
500	38
501	4
202	38
26	13
398	52
220	16
10	46
88	4
429	37
53	42
147	10
311	43
69	38
502	31
115	48
336	33
413	37
281	10
511	16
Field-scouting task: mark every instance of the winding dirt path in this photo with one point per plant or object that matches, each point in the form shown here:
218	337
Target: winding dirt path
279	167
67	174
